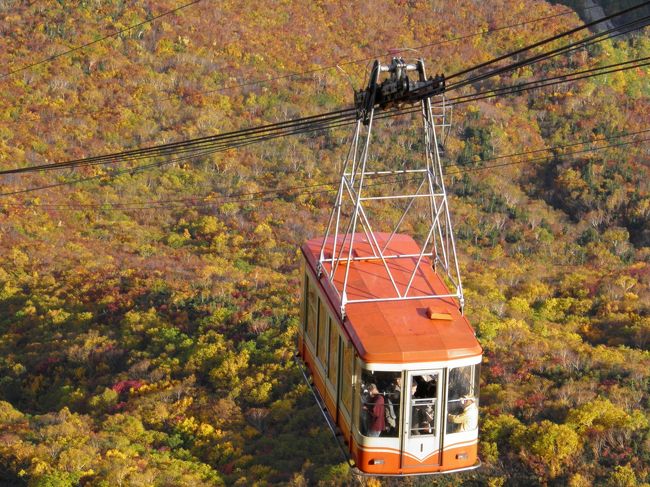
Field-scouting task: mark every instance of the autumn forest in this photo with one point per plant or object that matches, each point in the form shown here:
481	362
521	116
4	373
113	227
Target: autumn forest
149	310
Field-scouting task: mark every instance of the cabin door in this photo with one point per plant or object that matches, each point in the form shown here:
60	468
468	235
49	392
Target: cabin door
422	428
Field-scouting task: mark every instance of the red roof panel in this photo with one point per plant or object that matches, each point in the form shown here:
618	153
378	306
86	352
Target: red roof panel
395	331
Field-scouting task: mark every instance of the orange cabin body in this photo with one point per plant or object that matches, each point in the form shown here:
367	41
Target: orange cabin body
399	378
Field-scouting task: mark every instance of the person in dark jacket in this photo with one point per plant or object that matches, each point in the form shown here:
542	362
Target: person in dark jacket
375	411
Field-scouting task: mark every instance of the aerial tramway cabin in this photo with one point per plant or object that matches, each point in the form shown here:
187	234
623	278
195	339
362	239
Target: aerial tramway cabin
392	357
421	354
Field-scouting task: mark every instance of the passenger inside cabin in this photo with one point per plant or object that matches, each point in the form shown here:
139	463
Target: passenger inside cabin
427	420
430	386
424	395
389	412
375	408
389	384
468	419
393	397
426	386
365	415
395	392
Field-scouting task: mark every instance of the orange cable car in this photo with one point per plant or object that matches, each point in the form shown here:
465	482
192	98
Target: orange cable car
426	349
394	362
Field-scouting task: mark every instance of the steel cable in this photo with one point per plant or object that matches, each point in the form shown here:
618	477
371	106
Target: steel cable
459	170
629	27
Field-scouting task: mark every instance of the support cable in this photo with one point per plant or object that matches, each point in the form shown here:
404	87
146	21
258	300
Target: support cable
249	196
165	149
234	139
548	40
563	78
237	139
630	26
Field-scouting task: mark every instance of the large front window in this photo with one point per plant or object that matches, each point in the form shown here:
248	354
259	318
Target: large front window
424	404
381	395
462	404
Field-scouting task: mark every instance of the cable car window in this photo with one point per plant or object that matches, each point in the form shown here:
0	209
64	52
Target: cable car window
312	309
462	405
346	376
380	403
323	335
333	361
305	294
424	404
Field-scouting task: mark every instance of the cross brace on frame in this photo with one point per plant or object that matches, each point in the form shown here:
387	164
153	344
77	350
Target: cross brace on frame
439	248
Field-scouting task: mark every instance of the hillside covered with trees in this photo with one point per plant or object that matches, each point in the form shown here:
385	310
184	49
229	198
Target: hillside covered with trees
148	315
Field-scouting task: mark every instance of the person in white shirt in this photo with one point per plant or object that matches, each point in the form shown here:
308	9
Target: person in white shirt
468	419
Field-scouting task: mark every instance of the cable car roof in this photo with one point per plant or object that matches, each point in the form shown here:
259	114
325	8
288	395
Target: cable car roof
396	331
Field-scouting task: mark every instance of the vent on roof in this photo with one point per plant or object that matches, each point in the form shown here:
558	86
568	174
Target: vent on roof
432	314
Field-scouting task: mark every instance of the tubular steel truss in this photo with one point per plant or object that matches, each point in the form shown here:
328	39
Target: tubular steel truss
438	249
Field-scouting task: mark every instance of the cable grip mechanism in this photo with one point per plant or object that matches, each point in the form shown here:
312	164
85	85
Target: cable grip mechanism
397	89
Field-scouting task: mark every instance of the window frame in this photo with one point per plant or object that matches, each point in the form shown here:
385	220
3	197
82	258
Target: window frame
322	346
311	326
347	375
333	355
472	387
422	402
383	379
